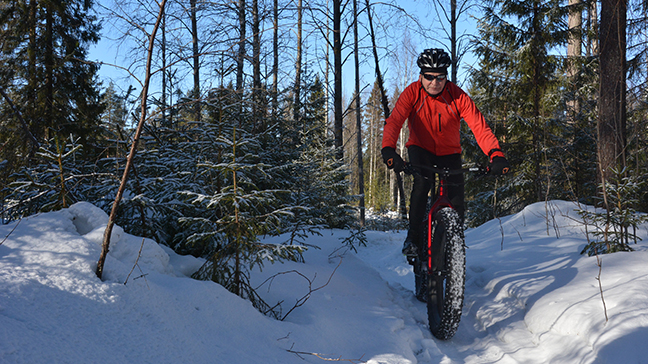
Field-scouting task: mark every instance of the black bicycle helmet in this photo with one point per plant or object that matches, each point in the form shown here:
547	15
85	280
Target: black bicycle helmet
434	60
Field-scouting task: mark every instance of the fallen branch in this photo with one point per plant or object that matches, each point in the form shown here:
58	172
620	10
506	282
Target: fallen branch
139	254
323	357
301	301
599	262
501	232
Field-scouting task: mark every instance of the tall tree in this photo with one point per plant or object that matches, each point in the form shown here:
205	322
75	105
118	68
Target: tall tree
612	91
240	56
451	17
356	56
196	58
298	64
338	121
379	77
514	87
275	56
47	42
257	90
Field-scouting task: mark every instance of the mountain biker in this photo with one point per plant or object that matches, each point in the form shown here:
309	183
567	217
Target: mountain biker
434	108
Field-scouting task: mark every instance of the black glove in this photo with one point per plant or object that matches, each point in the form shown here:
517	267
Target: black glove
392	159
499	166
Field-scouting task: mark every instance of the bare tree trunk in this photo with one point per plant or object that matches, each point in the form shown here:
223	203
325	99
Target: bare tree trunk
455	12
337	82
240	61
612	102
328	64
196	60
537	96
256	68
453	39
574	47
593	44
48	120
275	57
574	44
379	78
129	161
298	64
358	118
164	70
402	208
372	160
33	81
397	185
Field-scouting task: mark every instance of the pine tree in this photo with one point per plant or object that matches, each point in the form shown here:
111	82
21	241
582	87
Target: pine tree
321	182
54	182
616	227
514	87
235	217
44	50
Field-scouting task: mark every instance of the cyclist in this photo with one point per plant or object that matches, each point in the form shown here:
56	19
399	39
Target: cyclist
434	108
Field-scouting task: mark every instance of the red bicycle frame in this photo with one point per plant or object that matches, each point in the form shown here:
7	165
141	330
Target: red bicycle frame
441	201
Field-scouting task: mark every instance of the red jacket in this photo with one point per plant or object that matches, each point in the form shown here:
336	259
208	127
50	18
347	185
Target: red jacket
434	122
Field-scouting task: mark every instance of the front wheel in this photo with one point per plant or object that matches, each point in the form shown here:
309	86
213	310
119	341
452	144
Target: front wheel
446	273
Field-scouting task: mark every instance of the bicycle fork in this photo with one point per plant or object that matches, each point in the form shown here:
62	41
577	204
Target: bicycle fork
440	202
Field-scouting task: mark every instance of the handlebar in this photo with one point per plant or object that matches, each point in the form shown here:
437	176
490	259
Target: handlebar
412	170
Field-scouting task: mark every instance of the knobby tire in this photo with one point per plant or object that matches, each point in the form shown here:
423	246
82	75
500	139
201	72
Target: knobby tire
444	293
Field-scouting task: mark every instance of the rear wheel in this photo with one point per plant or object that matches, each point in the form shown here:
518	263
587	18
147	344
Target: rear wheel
446	274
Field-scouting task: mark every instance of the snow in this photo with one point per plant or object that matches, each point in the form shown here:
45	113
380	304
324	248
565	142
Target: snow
530	298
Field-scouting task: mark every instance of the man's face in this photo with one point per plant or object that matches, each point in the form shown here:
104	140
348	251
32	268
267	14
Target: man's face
433	82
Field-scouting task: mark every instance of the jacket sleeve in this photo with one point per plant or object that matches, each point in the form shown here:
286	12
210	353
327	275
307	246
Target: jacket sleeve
477	124
401	112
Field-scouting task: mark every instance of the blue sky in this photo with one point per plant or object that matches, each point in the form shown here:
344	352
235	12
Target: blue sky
110	52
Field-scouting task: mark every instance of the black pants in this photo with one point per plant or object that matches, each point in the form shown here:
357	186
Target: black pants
422	187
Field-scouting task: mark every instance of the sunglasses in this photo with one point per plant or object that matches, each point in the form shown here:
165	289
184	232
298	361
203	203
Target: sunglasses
432	77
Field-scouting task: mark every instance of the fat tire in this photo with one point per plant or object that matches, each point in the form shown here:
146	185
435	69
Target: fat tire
446	282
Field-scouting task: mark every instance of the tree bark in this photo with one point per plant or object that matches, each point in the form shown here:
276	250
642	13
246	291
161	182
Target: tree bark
574	49
275	58
298	65
453	39
164	71
338	122
47	118
240	61
196	60
612	89
256	68
358	116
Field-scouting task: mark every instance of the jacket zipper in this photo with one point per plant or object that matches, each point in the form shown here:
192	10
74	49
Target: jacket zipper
439	122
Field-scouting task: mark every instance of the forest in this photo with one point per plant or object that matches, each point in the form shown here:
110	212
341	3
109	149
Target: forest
242	119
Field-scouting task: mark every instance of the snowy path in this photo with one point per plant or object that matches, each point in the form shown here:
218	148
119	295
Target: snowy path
530	296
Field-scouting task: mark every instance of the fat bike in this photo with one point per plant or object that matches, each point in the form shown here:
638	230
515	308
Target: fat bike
440	268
